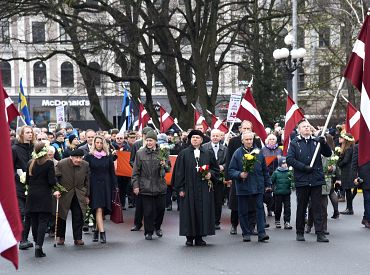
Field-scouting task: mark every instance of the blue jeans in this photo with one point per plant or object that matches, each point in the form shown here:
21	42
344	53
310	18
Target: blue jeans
366	194
244	215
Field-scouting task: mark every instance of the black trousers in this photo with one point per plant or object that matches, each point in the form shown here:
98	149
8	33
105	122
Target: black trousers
26	219
169	196
219	199
252	216
77	221
153	208
304	194
39	222
349	199
138	221
324	211
123	185
281	200
334	200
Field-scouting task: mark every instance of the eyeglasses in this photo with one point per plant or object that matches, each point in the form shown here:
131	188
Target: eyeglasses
40	139
119	138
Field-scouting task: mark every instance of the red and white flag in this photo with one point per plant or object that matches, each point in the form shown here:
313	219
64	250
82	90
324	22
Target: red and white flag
248	111
292	117
143	117
11	111
199	119
353	121
166	121
218	124
10	221
357	71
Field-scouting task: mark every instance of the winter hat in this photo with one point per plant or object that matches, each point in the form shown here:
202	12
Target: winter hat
162	138
77	153
151	134
71	138
282	160
195	133
146	130
58	134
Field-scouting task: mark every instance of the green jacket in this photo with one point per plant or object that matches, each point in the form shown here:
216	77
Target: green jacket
282	181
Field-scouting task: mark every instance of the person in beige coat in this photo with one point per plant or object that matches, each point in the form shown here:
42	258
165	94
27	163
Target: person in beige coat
73	174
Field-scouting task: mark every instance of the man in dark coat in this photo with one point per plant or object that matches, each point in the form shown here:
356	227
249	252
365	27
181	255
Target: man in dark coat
308	180
196	195
252	183
22	153
219	150
73	174
362	174
234	144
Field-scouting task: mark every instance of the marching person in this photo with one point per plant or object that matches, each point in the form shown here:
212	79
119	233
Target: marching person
196	195
219	150
249	184
308	180
148	183
22	153
40	178
73	174
102	181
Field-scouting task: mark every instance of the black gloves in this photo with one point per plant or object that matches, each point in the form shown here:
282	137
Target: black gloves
308	169
321	139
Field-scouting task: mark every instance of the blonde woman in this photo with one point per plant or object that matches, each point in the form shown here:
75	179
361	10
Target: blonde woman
102	182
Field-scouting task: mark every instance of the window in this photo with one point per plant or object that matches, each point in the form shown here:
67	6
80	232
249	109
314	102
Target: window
96	77
324	76
209	77
66	73
324	37
301	76
4	31
243	76
161	68
38	32
64	37
39	74
6	73
300	37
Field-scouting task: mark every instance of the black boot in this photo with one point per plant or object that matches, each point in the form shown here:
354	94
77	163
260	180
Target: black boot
96	236
102	237
38	252
321	238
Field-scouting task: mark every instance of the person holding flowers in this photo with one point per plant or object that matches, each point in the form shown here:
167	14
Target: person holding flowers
150	165
248	169
194	173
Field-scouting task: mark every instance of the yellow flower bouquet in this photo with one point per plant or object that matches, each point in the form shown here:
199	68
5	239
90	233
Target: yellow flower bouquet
249	159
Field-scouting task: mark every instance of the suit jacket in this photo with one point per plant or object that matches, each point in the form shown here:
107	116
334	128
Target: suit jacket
85	148
221	154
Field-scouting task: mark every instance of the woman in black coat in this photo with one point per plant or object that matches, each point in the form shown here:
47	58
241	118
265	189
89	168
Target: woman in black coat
40	178
344	163
102	182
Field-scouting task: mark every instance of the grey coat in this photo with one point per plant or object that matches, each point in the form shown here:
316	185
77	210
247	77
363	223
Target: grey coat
76	180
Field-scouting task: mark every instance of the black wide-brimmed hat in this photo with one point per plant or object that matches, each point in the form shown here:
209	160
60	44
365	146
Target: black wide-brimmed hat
195	133
77	153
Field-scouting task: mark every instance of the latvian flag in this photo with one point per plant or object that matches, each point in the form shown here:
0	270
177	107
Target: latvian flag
10	222
166	120
199	119
218	124
248	111
353	121
143	117
358	71
292	117
11	111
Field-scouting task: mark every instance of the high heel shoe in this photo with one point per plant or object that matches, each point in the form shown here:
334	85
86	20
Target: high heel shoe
103	237
96	236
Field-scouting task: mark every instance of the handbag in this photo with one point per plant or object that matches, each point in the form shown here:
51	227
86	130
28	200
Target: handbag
116	215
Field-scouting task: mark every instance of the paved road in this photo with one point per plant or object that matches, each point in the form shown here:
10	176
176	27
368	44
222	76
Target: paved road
128	253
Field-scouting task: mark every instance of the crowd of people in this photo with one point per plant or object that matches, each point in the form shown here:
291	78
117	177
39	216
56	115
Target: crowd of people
77	170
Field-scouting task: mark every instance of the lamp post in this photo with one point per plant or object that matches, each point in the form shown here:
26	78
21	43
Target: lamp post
289	59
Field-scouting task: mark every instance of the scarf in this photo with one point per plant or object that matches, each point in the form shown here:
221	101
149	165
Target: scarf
272	147
100	154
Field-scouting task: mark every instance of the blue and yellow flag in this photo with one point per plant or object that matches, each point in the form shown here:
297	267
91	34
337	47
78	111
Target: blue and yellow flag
22	101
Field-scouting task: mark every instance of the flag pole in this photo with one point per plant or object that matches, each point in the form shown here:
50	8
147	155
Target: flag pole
232	124
345	99
327	120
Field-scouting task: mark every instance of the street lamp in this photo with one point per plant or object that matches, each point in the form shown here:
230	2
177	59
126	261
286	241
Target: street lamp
290	60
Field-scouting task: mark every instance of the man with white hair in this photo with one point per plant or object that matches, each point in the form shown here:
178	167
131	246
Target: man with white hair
219	151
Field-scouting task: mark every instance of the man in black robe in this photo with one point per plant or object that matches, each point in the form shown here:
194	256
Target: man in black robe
196	194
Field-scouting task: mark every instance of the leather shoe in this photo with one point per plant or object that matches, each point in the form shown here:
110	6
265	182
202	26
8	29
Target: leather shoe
200	242
264	237
159	233
335	216
79	242
217	227
246	238
135	228
189	243
233	230
148	237
367	224
23	245
321	238
347	212
300	238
